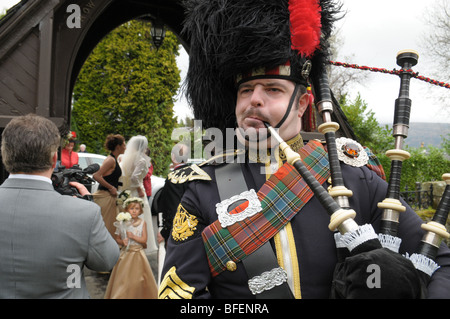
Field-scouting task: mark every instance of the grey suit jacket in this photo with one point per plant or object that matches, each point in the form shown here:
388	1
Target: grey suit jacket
46	239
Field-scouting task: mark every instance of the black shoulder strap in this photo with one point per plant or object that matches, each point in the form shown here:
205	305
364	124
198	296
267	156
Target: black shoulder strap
230	182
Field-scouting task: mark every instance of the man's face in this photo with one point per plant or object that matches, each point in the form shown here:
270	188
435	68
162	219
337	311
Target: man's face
266	100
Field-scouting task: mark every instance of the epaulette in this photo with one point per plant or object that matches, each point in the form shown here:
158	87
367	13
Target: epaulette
187	174
228	156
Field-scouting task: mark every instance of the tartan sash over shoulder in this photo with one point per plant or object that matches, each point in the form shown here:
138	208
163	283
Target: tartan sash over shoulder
282	196
374	164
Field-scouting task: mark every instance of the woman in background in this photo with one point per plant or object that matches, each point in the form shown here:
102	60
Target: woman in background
69	157
108	177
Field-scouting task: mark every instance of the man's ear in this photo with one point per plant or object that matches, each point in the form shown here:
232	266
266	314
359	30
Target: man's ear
303	103
54	159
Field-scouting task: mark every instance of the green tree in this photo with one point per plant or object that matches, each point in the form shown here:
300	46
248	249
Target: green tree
367	130
424	165
127	87
446	144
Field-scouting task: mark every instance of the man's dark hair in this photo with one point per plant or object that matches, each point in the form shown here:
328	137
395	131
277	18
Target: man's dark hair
29	143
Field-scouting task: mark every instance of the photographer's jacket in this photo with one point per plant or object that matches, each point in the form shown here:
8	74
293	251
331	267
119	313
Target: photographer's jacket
47	239
207	258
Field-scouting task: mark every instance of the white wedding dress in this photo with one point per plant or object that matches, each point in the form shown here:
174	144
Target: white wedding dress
132	183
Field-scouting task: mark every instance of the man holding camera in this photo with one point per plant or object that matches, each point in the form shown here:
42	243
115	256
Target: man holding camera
46	238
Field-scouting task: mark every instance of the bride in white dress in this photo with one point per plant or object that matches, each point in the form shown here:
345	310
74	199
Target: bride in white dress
135	164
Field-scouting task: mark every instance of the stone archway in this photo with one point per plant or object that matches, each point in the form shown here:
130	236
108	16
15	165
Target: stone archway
41	53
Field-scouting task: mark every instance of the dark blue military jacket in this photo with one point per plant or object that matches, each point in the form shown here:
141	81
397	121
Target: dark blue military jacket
186	271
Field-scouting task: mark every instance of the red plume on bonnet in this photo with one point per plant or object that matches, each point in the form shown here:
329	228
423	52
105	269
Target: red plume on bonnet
305	18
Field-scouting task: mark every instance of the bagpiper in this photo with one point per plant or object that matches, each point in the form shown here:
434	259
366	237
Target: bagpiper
248	226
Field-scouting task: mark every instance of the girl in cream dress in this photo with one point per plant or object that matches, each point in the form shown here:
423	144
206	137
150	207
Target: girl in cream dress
135	164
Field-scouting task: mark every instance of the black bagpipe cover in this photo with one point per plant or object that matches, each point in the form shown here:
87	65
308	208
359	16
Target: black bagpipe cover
398	278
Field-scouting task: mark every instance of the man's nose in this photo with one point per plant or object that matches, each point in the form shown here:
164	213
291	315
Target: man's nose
257	96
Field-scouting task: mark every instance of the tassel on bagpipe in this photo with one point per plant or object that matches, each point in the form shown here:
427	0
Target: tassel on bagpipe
392	207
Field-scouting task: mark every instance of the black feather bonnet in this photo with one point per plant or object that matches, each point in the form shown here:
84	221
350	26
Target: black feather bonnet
231	37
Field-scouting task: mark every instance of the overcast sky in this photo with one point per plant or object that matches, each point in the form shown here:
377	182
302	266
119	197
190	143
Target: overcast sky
373	32
6	4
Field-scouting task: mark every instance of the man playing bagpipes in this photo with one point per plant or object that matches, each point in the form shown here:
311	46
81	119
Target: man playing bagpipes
248	225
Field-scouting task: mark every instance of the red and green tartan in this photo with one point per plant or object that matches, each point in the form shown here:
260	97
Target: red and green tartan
282	196
374	164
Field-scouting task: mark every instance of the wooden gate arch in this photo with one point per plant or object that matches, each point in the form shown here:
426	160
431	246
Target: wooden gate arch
43	47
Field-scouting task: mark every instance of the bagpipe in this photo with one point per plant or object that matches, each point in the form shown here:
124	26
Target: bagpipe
424	259
359	247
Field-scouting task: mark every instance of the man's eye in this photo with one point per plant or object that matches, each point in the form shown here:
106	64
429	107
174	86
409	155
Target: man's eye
245	91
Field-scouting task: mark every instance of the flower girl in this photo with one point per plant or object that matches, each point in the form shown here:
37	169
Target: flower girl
132	277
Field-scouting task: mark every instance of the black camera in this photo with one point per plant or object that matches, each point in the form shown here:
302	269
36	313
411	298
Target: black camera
62	176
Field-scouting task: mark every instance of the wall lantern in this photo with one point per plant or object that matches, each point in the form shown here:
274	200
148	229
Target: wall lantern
158	32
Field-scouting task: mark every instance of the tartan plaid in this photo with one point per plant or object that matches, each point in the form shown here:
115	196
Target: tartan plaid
282	196
374	163
240	208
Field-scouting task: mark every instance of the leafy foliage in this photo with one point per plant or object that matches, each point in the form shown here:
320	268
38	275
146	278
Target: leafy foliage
425	164
369	132
446	144
126	87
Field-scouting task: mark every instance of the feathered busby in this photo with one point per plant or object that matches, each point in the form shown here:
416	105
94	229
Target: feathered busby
229	38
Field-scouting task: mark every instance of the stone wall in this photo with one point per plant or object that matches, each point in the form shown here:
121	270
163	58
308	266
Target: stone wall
438	190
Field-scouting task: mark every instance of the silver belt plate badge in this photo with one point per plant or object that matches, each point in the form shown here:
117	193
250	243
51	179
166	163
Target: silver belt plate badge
351	152
247	204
